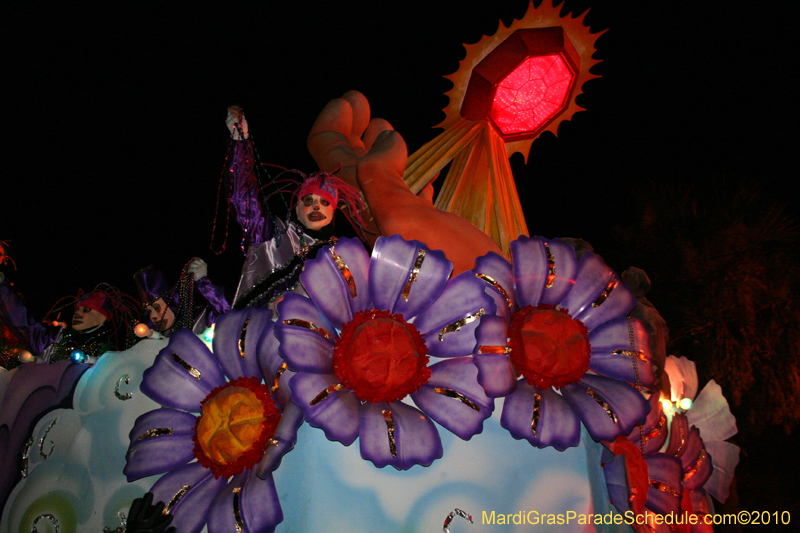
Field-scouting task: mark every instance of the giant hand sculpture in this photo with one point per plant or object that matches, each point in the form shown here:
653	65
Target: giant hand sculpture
372	157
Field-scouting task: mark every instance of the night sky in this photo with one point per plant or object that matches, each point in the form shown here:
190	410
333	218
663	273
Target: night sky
115	134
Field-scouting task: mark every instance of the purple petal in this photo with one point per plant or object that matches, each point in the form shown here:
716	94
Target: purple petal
617	304
591	280
610	336
156	454
254	507
499	270
171	383
303	348
286	435
463	297
337	415
270	362
415	437
531	270
234	327
464	414
557	426
666	471
616	474
325	282
678	430
190	505
393	260
629	368
566	269
653	431
496	373
625	403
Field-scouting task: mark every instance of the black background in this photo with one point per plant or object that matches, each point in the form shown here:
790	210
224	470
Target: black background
115	132
115	137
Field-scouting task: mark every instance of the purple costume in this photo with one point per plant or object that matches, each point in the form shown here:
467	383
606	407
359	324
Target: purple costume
275	251
152	285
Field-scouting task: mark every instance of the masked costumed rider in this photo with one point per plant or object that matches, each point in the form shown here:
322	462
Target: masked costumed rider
172	308
98	316
276	250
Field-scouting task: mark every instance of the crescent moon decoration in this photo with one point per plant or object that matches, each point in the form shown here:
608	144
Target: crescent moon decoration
510	88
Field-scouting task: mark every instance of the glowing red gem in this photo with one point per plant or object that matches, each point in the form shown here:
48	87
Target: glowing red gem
524	83
531	95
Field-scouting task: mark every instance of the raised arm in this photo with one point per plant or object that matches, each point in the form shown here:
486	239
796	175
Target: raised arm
213	294
241	177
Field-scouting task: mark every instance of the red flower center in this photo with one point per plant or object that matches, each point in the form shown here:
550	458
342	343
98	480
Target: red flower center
381	357
548	347
236	423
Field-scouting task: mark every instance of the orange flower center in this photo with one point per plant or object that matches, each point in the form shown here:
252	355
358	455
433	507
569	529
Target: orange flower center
235	425
381	357
548	347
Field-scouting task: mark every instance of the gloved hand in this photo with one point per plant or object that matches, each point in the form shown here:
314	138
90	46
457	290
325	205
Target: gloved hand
147	518
373	157
237	124
198	268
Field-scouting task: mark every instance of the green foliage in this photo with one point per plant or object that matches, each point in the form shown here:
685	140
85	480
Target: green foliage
726	278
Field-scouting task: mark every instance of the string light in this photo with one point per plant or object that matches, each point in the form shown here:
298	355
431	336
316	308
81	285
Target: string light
141	330
685	404
208	334
78	356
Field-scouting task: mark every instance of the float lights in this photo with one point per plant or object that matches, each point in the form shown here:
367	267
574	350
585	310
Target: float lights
525	83
208	334
141	330
685	404
78	356
666	404
25	357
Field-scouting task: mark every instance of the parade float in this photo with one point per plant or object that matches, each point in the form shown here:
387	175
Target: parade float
401	390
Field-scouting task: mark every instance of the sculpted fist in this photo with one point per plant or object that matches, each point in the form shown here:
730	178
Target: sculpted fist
373	157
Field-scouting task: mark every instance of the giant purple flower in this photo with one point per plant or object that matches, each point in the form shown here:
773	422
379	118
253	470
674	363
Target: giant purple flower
243	429
561	325
360	345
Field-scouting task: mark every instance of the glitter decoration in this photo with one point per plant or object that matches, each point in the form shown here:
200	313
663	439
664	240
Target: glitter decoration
453	514
458	324
26	451
348	276
44	436
124	378
412	276
307	325
156	432
48	516
175	499
196	374
500	289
